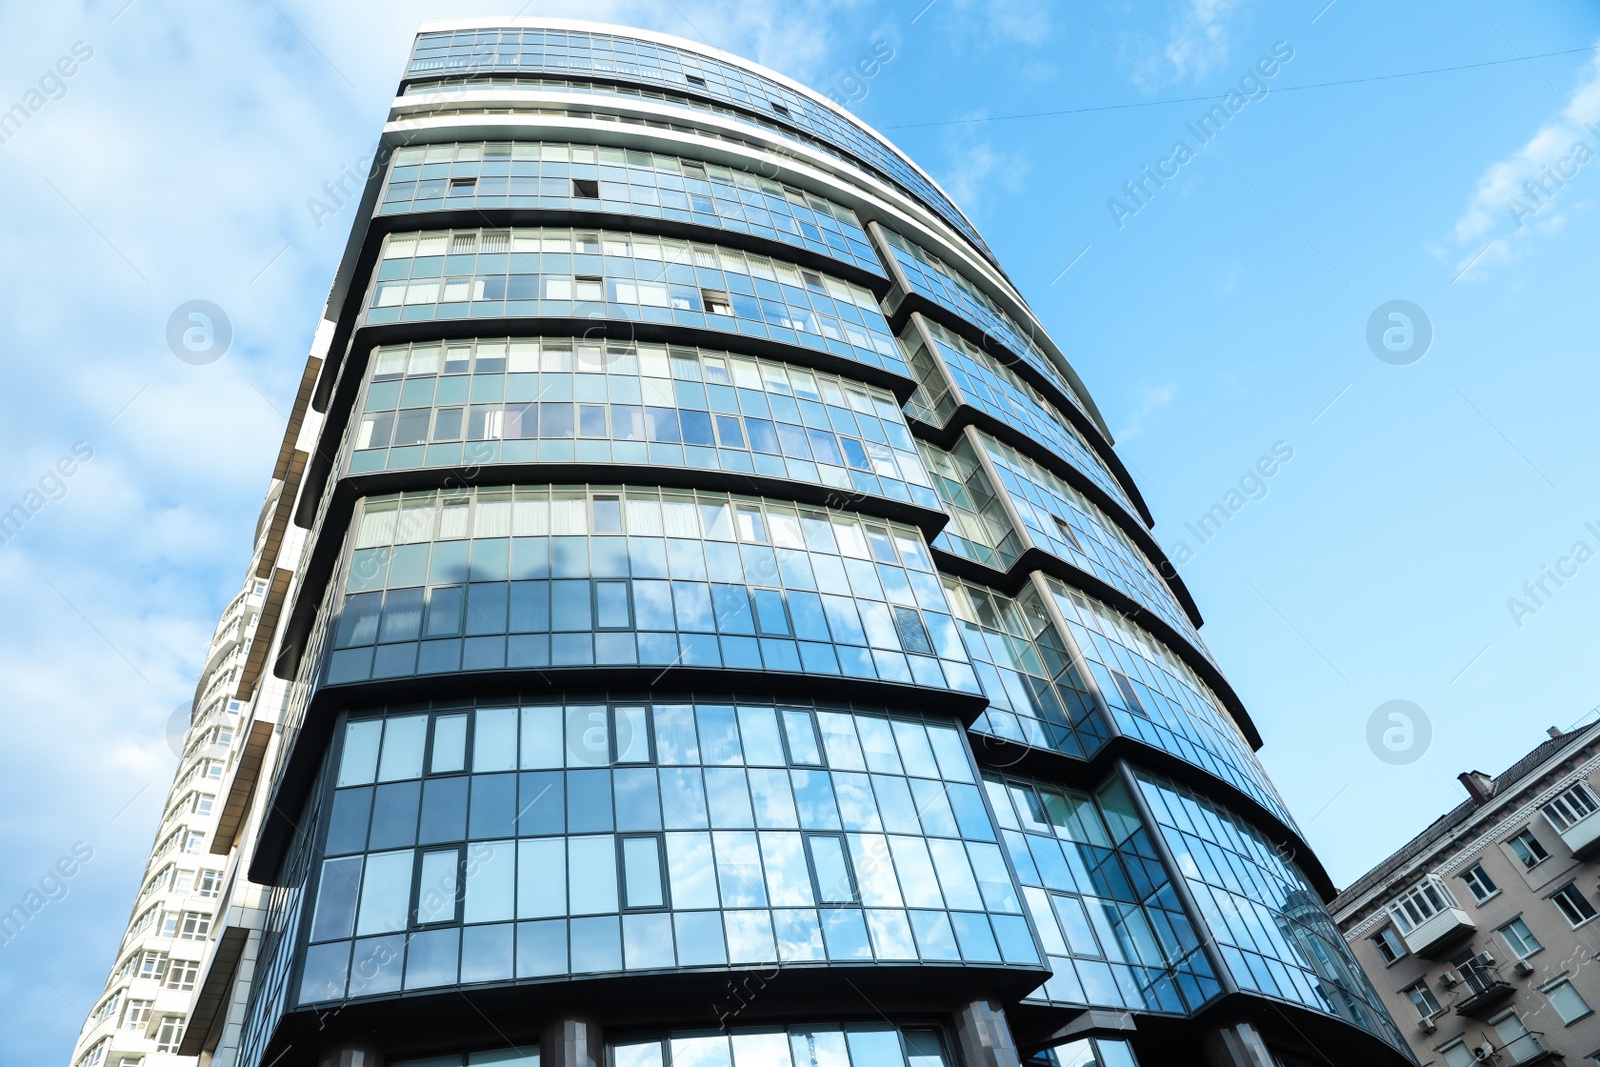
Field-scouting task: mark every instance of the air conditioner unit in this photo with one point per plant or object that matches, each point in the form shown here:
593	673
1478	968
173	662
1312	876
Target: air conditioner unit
1483	1053
1524	968
1448	979
1427	1025
1486	958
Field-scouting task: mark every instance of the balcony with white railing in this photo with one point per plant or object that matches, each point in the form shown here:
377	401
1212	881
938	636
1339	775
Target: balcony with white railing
1429	919
1575	814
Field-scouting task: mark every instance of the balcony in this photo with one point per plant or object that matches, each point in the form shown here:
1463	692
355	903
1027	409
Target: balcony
1429	919
1480	989
1583	836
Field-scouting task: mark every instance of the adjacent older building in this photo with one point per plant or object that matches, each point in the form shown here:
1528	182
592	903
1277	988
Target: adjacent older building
1479	933
706	622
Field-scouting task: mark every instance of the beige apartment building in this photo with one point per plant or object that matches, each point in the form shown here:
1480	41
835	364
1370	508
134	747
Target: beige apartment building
1480	933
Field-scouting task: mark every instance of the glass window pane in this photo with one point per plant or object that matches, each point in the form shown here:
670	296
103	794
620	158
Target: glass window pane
494	741
832	872
385	893
449	744
633	735
592	875
641	864
541	879
335	913
439	886
491	881
359	762
541	738
691	870
403	739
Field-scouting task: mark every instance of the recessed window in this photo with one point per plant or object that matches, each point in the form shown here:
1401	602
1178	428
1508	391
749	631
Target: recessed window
1528	849
1390	947
1481	885
586	188
1520	938
1423	1000
1130	695
1066	532
779	108
589	288
716	302
1568	1002
695	79
463	186
1573	904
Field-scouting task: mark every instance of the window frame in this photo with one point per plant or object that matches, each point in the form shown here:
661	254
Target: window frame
1507	925
1537	852
1472	876
1572	894
1566	980
1384	946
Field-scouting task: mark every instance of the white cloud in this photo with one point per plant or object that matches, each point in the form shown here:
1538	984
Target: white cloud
975	169
1536	188
1198	41
1152	398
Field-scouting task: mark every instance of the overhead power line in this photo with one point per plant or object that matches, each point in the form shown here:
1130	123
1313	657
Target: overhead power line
1214	97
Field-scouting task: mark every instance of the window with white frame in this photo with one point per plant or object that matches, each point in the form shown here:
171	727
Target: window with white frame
196	925
170	1034
1567	1001
1390	947
182	974
1420	903
208	884
96	1055
1423	1000
1571	806
1479	883
136	1014
1528	849
1521	940
1573	904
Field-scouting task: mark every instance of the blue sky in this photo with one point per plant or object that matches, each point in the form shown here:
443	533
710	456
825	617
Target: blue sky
1225	315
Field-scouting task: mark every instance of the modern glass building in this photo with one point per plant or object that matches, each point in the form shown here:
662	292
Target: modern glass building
707	624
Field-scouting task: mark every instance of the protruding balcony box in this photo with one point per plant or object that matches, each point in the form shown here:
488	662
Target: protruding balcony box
1583	837
1429	919
1575	814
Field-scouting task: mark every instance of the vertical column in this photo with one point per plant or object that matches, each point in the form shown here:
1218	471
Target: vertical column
985	1036
1235	1045
1180	886
351	1052
572	1041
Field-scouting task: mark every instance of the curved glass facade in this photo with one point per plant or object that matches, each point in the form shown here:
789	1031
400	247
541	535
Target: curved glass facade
564	400
962	375
576	177
485	844
529	577
804	737
599	275
614	57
